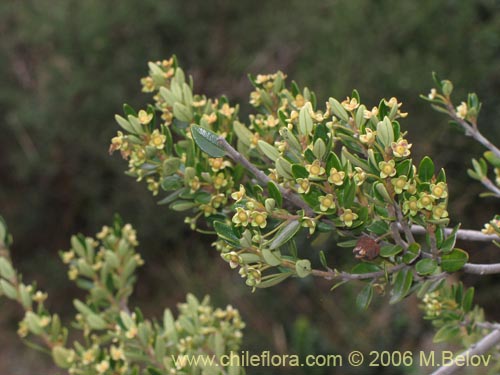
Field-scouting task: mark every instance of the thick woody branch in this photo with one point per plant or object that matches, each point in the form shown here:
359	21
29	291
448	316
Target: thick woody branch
482	269
480	347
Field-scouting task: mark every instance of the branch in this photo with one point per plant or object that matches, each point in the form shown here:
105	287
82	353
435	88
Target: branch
472	131
346	276
262	177
462	234
482	269
480	347
490	186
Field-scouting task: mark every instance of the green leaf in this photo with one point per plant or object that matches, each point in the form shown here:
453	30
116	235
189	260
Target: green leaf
303	268
299	171
319	148
273	258
454	260
449	243
468	299
182	205
364	267
170	198
426	266
270	151
412	253
338	110
208	141
285	234
273	280
226	233
243	133
305	120
447	332
402	285
388	251
364	297
492	159
275	193
171	183
124	124
385	132
284	168
322	259
426	169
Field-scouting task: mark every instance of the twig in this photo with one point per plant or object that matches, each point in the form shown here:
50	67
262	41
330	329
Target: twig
482	269
480	347
346	276
472	131
262	177
490	186
462	234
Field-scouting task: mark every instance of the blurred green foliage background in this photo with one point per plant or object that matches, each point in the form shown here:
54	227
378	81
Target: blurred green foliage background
67	66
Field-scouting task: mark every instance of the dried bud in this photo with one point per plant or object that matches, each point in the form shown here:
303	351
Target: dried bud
366	248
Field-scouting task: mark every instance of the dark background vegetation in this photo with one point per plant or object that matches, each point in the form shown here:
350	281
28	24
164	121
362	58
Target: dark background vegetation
66	67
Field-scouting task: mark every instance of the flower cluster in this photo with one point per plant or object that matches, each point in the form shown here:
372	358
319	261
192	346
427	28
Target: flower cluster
115	340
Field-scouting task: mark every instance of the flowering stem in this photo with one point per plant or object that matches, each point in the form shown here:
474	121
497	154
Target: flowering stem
262	177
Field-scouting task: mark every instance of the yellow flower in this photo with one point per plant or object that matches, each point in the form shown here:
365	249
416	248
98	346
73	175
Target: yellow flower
67	256
387	168
233	258
425	201
411	206
259	219
336	177
439	190
194	184
241	217
350	104
116	142
359	176
72	273
326	202
255	98
239	195
40	296
368	137
157	139
400	184
117	353
102	367
439	211
144	117
310	223
226	110
271	121
131	332
315	169
218	164
299	101
88	357
348	217
207	210
462	110
304	185
401	148
219	181
369	114
211	118
148	85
